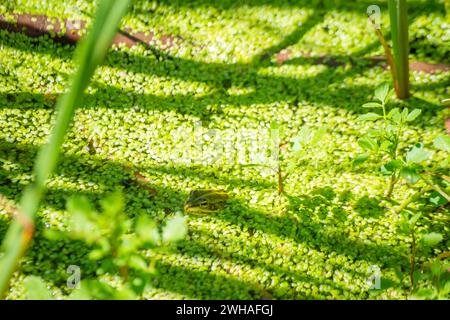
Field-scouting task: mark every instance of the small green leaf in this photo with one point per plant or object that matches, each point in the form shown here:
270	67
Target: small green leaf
390	94
369	117
442	142
385	145
375	133
431	239
390	167
417	154
147	230
37	289
138	263
404	228
368	143
175	229
413	115
404	114
372	105
381	92
415	218
395	115
436	199
360	159
394	164
409	174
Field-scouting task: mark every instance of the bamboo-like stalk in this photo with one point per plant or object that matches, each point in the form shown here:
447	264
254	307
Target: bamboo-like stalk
89	54
398	14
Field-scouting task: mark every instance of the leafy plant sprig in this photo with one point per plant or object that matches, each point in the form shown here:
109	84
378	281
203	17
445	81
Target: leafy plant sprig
434	180
118	243
384	139
432	281
88	55
301	145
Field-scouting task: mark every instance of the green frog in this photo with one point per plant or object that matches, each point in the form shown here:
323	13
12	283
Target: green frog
205	201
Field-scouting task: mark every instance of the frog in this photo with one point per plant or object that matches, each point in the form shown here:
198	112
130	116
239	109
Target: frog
205	201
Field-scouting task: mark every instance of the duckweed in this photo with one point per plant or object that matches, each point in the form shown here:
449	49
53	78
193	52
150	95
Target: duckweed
317	241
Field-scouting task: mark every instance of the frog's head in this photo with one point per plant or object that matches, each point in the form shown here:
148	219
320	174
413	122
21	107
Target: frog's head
205	201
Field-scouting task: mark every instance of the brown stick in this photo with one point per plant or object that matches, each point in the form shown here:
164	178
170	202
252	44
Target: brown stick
387	52
280	179
69	31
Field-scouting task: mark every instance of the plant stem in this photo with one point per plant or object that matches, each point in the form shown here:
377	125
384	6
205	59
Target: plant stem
413	257
409	200
392	183
387	53
280	179
394	155
436	188
88	55
398	14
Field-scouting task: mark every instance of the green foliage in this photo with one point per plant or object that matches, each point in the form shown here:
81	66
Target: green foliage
88	56
432	280
286	161
118	244
174	230
431	239
443	143
323	245
384	140
413	170
303	143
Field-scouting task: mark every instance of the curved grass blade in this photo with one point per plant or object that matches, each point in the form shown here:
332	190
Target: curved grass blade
89	54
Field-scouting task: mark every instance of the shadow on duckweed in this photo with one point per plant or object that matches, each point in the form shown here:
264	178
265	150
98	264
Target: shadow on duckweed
50	259
265	89
44	257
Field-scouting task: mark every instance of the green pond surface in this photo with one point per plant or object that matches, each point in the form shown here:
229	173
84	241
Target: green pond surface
323	238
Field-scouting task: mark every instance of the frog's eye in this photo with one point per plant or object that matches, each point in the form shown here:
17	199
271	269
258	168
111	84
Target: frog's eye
204	203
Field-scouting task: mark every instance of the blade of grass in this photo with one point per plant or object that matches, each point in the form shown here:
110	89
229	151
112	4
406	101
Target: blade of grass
398	14
89	54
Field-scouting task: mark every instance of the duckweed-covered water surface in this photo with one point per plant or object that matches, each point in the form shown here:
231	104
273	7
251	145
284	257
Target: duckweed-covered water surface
195	114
